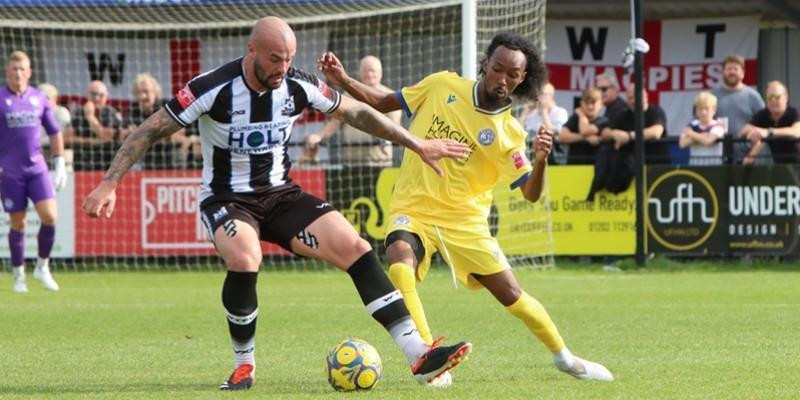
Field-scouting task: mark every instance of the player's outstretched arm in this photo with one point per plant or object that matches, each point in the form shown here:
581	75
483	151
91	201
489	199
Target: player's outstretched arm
532	189
365	118
158	126
332	68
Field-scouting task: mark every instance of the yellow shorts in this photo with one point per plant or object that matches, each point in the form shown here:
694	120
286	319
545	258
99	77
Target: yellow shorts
467	252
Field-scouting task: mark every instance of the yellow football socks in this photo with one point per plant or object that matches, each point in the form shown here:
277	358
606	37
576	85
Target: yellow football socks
531	312
402	276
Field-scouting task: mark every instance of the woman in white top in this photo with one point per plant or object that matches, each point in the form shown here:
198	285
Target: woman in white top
62	114
545	112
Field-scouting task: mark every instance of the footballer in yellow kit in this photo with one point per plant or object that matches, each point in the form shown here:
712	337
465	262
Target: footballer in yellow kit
449	213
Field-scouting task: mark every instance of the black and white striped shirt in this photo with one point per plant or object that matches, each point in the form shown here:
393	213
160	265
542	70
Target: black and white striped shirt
244	133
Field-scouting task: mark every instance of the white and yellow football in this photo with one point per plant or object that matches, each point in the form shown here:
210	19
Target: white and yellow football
353	364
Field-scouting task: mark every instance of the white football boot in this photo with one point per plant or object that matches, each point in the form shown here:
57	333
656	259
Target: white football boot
588	370
19	285
42	274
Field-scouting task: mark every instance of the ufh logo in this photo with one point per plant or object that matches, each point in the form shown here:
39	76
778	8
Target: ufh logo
682	210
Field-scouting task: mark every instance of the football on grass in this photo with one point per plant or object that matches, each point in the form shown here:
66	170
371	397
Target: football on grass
353	364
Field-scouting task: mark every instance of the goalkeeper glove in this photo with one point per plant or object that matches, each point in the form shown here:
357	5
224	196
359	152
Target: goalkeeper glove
60	178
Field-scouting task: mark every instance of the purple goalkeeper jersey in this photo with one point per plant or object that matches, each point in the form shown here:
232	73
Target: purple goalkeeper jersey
21	118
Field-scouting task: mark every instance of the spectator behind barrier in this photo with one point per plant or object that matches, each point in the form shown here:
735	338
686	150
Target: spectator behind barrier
359	148
736	104
778	121
545	112
62	114
613	104
704	134
95	126
582	130
171	152
622	129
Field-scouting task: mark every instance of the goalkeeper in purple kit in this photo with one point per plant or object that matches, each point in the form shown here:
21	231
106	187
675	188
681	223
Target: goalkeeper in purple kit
24	110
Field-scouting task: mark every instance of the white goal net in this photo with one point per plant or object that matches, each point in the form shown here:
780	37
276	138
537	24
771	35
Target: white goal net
74	42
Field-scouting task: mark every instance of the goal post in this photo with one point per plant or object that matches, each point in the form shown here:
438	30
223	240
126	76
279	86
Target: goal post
156	224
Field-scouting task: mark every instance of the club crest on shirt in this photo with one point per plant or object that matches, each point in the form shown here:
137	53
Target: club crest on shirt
486	137
8	102
288	106
402	220
34	101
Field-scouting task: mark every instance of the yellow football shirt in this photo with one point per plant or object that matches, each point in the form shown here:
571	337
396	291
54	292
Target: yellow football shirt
445	105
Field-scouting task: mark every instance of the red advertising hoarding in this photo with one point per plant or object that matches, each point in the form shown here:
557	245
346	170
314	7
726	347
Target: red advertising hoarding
156	213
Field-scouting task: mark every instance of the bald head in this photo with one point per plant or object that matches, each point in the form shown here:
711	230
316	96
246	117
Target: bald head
776	87
274	33
98	93
270	51
371	61
98	86
370	71
777	98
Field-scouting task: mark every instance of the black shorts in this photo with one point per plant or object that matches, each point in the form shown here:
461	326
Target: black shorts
411	238
277	216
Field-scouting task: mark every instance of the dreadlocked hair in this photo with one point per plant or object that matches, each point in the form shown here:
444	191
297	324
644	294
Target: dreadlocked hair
536	73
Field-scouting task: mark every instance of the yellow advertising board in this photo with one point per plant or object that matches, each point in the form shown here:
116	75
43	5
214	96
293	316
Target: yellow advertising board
606	225
574	227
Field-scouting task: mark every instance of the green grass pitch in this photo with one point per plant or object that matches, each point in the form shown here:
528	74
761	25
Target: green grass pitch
686	334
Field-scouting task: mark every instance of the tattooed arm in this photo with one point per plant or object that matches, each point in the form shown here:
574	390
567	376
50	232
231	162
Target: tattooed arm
367	119
154	128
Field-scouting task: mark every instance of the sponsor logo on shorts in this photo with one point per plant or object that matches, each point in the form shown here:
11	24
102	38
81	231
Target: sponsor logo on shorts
323	205
308	239
219	214
8	203
402	220
230	228
486	137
